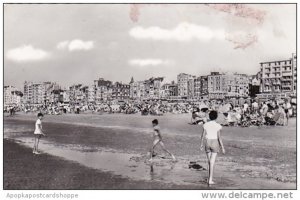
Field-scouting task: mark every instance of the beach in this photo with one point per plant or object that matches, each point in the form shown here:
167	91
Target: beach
113	148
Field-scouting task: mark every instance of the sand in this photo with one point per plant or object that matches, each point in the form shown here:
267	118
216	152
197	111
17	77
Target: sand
256	158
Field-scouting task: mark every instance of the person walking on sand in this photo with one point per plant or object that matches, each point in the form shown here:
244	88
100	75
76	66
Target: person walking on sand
213	142
157	139
38	133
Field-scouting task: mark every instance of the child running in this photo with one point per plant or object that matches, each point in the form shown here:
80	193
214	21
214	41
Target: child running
213	142
38	132
157	139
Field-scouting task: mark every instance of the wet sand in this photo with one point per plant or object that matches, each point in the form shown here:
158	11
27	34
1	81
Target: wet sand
256	158
24	171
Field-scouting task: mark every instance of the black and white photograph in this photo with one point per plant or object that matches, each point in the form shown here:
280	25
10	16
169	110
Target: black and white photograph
141	96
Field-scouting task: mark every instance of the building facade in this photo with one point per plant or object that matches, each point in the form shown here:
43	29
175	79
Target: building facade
12	96
137	90
56	96
103	90
147	89
91	94
279	76
227	85
237	85
78	94
120	91
183	85
254	85
216	86
191	87
197	87
39	93
200	87
204	86
165	91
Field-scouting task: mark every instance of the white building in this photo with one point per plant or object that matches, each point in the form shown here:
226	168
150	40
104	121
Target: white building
279	77
91	94
12	96
216	85
183	86
227	85
39	93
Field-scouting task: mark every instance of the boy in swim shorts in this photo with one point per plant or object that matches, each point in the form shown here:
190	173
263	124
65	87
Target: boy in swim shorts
213	142
157	139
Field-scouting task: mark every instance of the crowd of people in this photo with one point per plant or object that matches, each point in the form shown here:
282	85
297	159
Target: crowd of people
250	112
143	107
271	112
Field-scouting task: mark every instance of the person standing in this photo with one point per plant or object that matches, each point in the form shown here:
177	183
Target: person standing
255	106
213	142
38	133
287	109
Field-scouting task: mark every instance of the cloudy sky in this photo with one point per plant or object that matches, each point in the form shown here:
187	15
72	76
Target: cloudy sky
80	43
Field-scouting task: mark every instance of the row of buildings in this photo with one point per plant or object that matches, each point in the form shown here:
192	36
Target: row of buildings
48	92
12	96
275	79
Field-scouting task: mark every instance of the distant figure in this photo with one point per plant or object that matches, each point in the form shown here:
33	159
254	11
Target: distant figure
264	109
195	117
157	139
245	107
199	116
38	132
255	106
287	109
213	142
12	111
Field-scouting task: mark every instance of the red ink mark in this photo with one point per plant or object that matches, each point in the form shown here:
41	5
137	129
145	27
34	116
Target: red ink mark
241	10
242	41
135	12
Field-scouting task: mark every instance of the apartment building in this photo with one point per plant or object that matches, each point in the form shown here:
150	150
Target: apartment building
12	96
279	77
183	85
227	85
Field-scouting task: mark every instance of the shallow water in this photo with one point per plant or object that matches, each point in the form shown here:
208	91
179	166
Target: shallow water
117	152
133	166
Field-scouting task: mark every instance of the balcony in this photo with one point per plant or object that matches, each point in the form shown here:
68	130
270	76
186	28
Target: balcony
286	86
286	73
286	89
287	78
267	90
277	83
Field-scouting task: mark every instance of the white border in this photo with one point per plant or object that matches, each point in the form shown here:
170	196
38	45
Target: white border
130	194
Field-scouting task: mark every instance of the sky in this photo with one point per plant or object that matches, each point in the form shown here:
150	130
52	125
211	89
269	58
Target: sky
80	43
